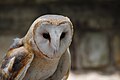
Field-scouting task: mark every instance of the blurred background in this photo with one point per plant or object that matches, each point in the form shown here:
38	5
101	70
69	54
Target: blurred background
95	49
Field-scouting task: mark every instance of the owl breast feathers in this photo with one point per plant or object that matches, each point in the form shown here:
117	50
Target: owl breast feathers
42	54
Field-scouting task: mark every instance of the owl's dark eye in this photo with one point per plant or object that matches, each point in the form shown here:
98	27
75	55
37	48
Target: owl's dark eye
62	35
46	36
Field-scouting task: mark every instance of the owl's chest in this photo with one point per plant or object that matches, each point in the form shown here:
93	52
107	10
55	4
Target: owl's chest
40	69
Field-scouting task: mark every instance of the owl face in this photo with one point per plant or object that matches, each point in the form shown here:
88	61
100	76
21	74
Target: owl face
51	39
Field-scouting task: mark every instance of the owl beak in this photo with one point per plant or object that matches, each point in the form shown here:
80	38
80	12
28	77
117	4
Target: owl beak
55	45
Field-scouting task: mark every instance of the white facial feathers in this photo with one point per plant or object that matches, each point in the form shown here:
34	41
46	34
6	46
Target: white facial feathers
52	34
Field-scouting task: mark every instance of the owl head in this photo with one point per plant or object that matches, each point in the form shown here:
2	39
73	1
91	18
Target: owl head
50	35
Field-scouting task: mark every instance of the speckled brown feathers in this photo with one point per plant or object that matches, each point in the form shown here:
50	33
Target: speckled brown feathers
21	58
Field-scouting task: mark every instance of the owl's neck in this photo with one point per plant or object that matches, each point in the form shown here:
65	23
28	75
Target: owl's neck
41	68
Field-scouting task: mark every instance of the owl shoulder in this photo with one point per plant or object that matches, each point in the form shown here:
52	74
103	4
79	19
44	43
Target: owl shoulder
17	42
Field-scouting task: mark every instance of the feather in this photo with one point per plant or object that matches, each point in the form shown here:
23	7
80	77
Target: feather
9	65
63	68
16	43
15	65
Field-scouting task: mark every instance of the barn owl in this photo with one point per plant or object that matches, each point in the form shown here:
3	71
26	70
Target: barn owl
43	53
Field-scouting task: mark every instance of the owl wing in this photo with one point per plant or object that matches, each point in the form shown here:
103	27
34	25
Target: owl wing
63	68
15	64
18	42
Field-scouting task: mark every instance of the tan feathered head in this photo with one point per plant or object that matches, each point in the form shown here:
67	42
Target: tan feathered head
50	35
